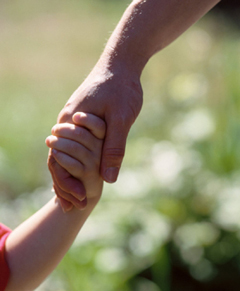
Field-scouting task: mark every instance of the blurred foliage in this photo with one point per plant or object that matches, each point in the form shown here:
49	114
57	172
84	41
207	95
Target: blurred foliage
172	221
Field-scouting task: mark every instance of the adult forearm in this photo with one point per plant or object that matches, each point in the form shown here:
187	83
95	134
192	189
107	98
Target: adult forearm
35	248
113	89
147	26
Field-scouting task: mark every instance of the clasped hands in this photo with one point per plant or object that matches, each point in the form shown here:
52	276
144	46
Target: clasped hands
116	98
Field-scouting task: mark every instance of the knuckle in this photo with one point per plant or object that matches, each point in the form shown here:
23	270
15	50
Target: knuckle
65	115
122	119
114	154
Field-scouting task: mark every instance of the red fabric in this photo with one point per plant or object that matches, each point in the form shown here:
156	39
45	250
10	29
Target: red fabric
4	270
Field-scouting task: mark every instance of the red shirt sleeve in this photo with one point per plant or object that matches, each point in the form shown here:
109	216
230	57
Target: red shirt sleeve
4	270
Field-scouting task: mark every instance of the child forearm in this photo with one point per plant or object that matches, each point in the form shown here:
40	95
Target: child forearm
36	247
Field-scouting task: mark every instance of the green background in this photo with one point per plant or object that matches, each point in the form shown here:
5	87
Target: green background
172	221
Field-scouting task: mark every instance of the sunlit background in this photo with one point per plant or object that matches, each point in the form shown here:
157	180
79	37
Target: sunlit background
172	221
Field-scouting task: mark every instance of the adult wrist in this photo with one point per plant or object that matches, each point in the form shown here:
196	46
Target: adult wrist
121	67
122	49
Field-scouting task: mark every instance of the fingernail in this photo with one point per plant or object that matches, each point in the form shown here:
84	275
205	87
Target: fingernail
81	198
76	117
82	114
82	205
111	174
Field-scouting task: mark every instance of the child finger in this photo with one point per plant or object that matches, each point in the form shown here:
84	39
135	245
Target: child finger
66	205
67	201
74	167
65	182
70	147
75	133
92	122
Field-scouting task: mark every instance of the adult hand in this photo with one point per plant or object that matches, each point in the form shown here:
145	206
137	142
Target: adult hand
115	95
113	91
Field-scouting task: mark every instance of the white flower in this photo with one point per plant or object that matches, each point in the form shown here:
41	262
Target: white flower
166	163
196	235
196	126
132	184
110	260
227	213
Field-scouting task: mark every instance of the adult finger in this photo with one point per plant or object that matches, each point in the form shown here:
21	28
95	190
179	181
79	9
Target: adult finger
113	150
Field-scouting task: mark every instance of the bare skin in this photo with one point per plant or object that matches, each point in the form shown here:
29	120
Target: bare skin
113	89
34	249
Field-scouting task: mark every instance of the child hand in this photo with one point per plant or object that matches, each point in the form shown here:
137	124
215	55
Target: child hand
77	148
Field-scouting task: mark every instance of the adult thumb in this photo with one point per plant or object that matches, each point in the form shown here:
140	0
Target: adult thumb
113	151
